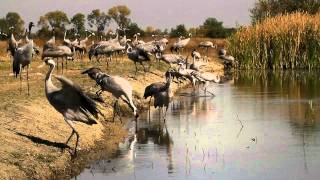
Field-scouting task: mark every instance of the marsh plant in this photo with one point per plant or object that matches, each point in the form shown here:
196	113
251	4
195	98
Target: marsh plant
290	41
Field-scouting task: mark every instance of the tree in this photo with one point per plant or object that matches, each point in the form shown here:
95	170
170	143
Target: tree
134	29
14	20
98	19
78	21
180	30
270	8
214	29
120	15
54	19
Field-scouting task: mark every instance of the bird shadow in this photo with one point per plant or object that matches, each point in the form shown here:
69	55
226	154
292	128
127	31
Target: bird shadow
39	140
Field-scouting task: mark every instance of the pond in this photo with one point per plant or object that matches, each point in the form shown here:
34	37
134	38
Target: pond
259	125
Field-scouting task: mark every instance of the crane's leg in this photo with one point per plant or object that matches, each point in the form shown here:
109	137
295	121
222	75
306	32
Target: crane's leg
115	109
98	93
20	80
70	123
144	68
62	65
28	80
165	114
135	63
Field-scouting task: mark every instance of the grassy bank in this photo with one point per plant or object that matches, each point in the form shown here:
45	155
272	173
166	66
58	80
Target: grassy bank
283	42
31	131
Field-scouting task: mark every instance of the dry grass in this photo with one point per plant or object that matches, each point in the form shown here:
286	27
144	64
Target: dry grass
30	127
283	42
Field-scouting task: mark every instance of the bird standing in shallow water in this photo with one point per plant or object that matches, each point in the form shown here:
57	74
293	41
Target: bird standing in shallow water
163	98
71	102
119	87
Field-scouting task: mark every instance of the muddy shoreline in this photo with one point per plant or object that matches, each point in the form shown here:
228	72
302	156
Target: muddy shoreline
38	131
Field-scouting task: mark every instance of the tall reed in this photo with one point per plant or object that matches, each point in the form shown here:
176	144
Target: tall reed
290	41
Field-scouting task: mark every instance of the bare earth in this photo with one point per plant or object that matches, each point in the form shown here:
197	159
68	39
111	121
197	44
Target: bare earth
32	133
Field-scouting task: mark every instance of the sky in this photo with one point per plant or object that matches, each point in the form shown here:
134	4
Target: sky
157	13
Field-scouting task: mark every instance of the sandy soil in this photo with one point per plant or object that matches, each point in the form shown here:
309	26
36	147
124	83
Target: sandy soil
32	133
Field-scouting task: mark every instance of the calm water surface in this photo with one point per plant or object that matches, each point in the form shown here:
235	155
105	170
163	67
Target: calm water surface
203	137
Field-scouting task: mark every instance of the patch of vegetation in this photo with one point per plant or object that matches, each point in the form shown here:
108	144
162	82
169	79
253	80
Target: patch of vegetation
284	42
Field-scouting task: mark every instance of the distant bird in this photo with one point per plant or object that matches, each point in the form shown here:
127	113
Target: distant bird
137	56
182	43
157	87
227	60
71	102
13	44
206	45
163	98
197	63
21	59
195	54
169	58
119	87
63	52
136	41
51	42
206	77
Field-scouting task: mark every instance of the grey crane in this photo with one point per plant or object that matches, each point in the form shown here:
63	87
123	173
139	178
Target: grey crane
163	98
63	52
138	56
21	59
71	102
180	44
156	87
51	42
206	45
206	78
119	87
227	60
13	44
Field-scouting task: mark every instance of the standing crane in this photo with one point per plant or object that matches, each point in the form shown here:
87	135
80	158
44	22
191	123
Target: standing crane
181	44
119	87
21	59
137	56
71	102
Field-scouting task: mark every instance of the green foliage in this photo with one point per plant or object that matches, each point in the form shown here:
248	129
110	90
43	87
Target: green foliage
180	30
270	8
98	19
54	19
120	15
78	21
214	29
133	29
14	20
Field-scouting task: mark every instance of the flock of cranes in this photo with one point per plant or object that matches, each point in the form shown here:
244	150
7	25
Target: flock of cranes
73	103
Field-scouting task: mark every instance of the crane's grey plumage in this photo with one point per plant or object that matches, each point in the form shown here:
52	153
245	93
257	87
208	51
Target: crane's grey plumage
180	44
21	59
163	98
63	52
119	87
51	42
138	56
206	45
70	101
13	44
157	87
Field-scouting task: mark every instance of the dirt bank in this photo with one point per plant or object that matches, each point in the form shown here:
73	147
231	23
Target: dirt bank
32	133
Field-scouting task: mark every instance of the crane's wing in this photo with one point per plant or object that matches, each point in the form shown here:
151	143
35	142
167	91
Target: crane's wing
154	88
143	54
85	103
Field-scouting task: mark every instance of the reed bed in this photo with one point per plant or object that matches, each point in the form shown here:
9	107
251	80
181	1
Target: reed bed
290	41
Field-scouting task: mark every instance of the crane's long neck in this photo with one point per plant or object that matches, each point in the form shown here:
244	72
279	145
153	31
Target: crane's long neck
49	87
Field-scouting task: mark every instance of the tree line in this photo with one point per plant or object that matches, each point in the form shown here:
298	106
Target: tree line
99	22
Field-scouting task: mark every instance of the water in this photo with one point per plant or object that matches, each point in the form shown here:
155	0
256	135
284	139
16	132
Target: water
203	138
